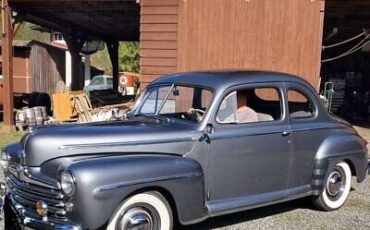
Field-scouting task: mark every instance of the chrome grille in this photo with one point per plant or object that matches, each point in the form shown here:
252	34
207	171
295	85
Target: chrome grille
27	195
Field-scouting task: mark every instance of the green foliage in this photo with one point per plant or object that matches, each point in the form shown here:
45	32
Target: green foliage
129	57
27	32
101	59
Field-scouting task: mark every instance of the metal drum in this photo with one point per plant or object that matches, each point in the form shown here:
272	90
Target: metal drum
43	111
38	115
21	116
30	116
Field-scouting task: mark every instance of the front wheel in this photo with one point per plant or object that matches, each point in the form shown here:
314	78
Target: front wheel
337	188
144	211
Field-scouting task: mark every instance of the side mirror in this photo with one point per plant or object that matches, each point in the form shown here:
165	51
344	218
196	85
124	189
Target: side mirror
129	114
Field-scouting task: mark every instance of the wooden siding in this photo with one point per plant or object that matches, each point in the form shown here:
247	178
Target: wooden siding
158	47
22	76
48	67
276	35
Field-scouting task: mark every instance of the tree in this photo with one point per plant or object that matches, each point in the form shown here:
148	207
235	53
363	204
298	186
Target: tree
101	59
129	57
27	32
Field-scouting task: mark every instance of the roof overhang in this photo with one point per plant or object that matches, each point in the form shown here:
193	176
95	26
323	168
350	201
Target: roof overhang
102	19
349	16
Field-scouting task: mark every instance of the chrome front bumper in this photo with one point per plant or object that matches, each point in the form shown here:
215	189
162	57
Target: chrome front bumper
27	219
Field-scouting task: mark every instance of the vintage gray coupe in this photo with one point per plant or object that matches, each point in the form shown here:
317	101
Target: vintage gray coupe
196	145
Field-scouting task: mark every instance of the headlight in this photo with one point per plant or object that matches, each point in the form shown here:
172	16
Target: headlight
4	160
68	183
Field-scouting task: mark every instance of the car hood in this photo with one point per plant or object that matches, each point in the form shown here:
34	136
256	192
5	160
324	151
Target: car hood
128	137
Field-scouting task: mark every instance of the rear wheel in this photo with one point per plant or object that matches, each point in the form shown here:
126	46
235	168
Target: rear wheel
337	188
144	211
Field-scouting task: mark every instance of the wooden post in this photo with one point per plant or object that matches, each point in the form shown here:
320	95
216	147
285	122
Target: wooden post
7	56
75	44
113	54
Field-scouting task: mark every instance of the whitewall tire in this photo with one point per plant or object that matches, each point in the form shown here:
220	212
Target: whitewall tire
149	211
336	188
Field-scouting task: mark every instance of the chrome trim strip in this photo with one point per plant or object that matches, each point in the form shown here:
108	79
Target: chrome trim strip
222	137
46	191
313	128
22	172
144	181
119	144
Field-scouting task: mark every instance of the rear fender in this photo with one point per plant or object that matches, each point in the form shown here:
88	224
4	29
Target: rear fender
334	149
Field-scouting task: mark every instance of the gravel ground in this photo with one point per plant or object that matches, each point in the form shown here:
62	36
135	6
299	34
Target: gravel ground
299	214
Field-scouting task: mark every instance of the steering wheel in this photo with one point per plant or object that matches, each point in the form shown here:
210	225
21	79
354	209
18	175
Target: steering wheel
196	114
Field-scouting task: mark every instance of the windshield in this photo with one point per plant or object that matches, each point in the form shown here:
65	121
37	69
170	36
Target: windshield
175	101
109	81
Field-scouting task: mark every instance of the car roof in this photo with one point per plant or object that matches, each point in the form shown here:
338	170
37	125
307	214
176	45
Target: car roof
219	80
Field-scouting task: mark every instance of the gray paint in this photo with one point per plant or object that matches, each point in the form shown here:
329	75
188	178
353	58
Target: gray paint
207	173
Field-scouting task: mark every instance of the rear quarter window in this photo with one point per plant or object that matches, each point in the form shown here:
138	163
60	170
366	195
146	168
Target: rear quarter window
300	105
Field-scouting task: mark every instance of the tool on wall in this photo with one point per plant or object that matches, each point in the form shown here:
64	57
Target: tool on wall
328	93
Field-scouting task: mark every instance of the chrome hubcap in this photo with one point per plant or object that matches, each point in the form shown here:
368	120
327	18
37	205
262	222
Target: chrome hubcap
137	218
335	184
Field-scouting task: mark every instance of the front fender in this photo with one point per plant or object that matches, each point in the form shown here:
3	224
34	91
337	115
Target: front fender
334	149
103	183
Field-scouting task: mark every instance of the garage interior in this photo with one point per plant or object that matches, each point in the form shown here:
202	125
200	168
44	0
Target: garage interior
110	21
346	29
346	58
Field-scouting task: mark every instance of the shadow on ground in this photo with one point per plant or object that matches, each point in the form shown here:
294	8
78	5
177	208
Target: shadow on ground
253	214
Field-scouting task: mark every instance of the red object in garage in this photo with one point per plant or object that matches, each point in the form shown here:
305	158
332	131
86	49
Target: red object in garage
127	83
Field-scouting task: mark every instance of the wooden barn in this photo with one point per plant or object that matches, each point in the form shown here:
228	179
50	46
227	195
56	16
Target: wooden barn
37	67
277	35
186	35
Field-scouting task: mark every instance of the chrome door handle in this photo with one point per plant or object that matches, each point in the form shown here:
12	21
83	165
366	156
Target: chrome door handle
285	133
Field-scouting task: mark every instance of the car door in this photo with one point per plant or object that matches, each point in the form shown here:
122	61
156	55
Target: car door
249	161
309	127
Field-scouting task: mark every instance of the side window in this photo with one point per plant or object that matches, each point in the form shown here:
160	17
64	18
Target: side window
100	81
300	106
250	106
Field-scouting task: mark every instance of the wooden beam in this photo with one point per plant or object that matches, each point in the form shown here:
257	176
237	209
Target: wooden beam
7	65
113	47
17	22
95	19
71	1
61	25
